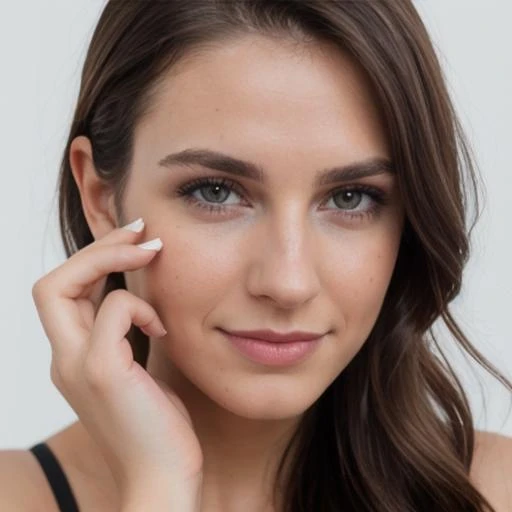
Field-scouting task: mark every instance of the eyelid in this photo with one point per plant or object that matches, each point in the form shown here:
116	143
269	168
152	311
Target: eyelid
206	180
379	197
198	183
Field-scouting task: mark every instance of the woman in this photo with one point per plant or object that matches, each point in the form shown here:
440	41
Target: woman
287	166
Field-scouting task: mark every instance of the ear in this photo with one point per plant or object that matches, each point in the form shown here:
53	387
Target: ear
97	197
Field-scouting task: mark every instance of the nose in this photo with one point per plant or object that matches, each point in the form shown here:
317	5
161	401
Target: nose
283	265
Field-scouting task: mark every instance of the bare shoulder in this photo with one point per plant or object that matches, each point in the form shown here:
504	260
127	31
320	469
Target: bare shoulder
23	486
491	469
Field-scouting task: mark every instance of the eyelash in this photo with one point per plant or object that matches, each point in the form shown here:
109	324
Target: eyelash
377	196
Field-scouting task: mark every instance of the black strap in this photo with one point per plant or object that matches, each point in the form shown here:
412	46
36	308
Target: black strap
56	477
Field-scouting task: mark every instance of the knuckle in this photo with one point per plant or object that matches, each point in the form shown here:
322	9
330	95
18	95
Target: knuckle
122	255
125	253
119	295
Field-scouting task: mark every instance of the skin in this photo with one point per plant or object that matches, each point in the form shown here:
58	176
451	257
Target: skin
285	255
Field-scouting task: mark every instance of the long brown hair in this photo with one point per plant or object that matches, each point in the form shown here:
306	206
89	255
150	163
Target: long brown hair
394	432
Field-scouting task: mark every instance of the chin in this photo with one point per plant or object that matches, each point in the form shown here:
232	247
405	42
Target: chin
272	404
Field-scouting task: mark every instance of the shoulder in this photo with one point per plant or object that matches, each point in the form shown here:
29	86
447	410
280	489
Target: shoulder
22	484
491	469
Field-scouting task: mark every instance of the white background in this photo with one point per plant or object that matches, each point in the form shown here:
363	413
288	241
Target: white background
42	48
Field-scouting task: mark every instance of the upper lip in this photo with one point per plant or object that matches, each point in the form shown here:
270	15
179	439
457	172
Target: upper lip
276	337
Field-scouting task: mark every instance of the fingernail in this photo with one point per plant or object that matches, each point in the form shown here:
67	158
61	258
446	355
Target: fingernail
153	245
136	226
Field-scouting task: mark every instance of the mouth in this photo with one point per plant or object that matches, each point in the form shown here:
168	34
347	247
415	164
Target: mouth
273	353
271	336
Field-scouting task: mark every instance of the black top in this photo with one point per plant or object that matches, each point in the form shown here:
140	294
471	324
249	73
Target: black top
56	477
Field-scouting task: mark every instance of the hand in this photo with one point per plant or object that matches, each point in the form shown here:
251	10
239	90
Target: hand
140	425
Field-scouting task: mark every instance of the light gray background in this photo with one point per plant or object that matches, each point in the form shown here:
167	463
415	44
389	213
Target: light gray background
42	47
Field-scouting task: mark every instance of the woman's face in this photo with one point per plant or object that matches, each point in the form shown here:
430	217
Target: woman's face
287	253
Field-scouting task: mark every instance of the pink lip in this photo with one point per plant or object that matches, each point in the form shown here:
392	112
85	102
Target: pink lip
273	353
275	337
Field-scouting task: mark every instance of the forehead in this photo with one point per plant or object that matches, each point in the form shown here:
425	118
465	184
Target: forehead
256	96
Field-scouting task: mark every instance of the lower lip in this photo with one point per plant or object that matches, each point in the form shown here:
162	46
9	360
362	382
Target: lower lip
274	354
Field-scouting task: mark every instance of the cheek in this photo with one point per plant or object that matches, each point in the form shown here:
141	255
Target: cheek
360	282
192	271
197	268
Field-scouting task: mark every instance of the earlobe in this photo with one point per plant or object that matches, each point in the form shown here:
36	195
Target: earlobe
96	195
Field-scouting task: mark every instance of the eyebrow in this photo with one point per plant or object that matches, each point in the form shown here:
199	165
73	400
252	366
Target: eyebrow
229	164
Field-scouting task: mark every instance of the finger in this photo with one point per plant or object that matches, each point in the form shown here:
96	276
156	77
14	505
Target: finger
115	237
83	269
57	296
128	233
109	353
